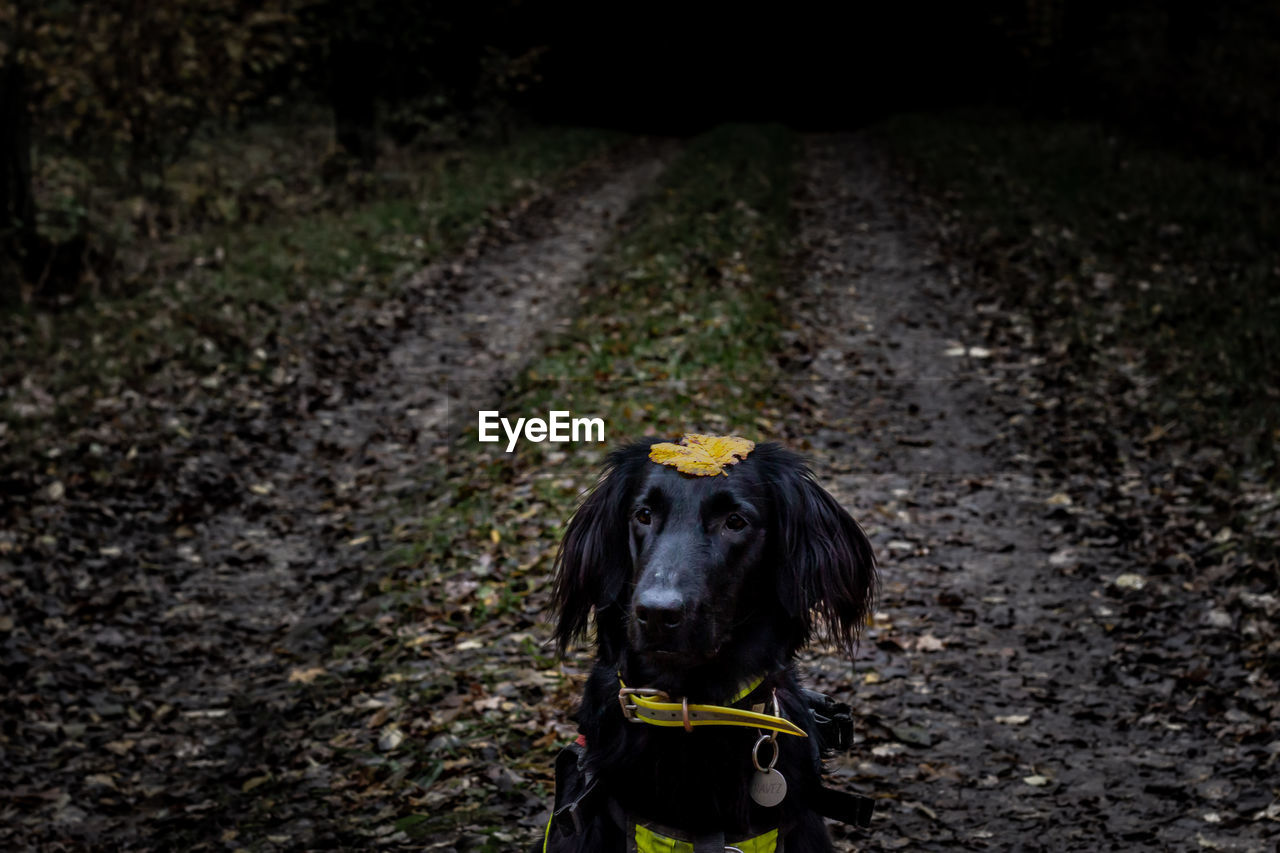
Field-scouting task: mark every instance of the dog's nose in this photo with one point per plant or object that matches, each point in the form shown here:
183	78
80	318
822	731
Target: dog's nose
659	611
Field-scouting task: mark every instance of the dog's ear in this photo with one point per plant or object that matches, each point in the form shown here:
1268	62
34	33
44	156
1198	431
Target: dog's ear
826	560
594	561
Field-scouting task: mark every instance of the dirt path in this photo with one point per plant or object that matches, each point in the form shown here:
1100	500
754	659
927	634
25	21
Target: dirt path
1019	690
160	683
463	328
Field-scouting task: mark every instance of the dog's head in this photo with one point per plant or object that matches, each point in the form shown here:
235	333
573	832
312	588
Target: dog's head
681	568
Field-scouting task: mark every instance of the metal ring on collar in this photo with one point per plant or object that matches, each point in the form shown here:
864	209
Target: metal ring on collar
755	753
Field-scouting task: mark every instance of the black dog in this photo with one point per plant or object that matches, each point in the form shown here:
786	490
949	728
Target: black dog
703	587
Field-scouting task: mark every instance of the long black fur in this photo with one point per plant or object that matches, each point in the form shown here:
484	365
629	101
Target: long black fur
814	559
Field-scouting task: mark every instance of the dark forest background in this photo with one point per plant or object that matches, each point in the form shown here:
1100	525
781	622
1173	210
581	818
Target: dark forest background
127	86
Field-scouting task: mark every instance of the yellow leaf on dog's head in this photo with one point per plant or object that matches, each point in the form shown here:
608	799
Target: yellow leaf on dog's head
702	455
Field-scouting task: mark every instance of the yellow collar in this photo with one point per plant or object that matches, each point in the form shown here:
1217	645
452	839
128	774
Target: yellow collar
645	705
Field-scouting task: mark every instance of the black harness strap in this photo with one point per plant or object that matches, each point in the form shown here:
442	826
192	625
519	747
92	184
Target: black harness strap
713	843
577	793
853	809
833	720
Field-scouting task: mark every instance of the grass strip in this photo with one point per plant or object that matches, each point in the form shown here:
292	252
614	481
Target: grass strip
674	333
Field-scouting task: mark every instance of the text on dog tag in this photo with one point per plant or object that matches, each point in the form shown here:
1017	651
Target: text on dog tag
768	788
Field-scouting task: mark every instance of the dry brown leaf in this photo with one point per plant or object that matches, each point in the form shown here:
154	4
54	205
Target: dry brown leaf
930	643
250	784
305	676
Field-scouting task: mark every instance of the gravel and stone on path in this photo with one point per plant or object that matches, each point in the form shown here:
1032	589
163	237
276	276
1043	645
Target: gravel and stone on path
1009	695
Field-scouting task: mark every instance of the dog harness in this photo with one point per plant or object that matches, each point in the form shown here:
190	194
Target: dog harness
578	796
581	797
646	838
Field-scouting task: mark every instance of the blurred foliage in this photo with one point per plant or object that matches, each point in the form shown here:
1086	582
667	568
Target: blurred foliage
438	71
124	77
1201	74
120	91
140	79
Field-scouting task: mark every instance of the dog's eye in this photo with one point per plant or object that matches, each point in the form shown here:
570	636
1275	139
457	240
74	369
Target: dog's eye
735	522
643	515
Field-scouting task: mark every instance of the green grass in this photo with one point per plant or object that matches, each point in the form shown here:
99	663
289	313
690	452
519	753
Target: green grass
428	215
683	316
213	298
1115	245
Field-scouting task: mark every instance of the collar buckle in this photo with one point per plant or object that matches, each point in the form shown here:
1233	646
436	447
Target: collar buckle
630	709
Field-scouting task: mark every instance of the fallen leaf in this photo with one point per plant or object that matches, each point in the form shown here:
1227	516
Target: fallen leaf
929	643
306	676
1218	619
913	735
972	352
702	455
120	747
390	738
250	784
102	779
1062	558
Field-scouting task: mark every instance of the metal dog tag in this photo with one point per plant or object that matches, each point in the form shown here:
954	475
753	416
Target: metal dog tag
768	788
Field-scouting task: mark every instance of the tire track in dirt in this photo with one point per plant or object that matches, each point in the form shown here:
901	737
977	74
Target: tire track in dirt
991	710
474	322
247	590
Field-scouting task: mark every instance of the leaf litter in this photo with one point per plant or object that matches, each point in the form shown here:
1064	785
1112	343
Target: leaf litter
178	590
1055	663
1012	692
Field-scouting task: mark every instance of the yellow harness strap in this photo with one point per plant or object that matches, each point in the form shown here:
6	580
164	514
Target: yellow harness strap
648	841
652	707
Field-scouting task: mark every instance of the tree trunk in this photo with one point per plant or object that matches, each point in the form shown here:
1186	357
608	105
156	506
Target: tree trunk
17	204
351	92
